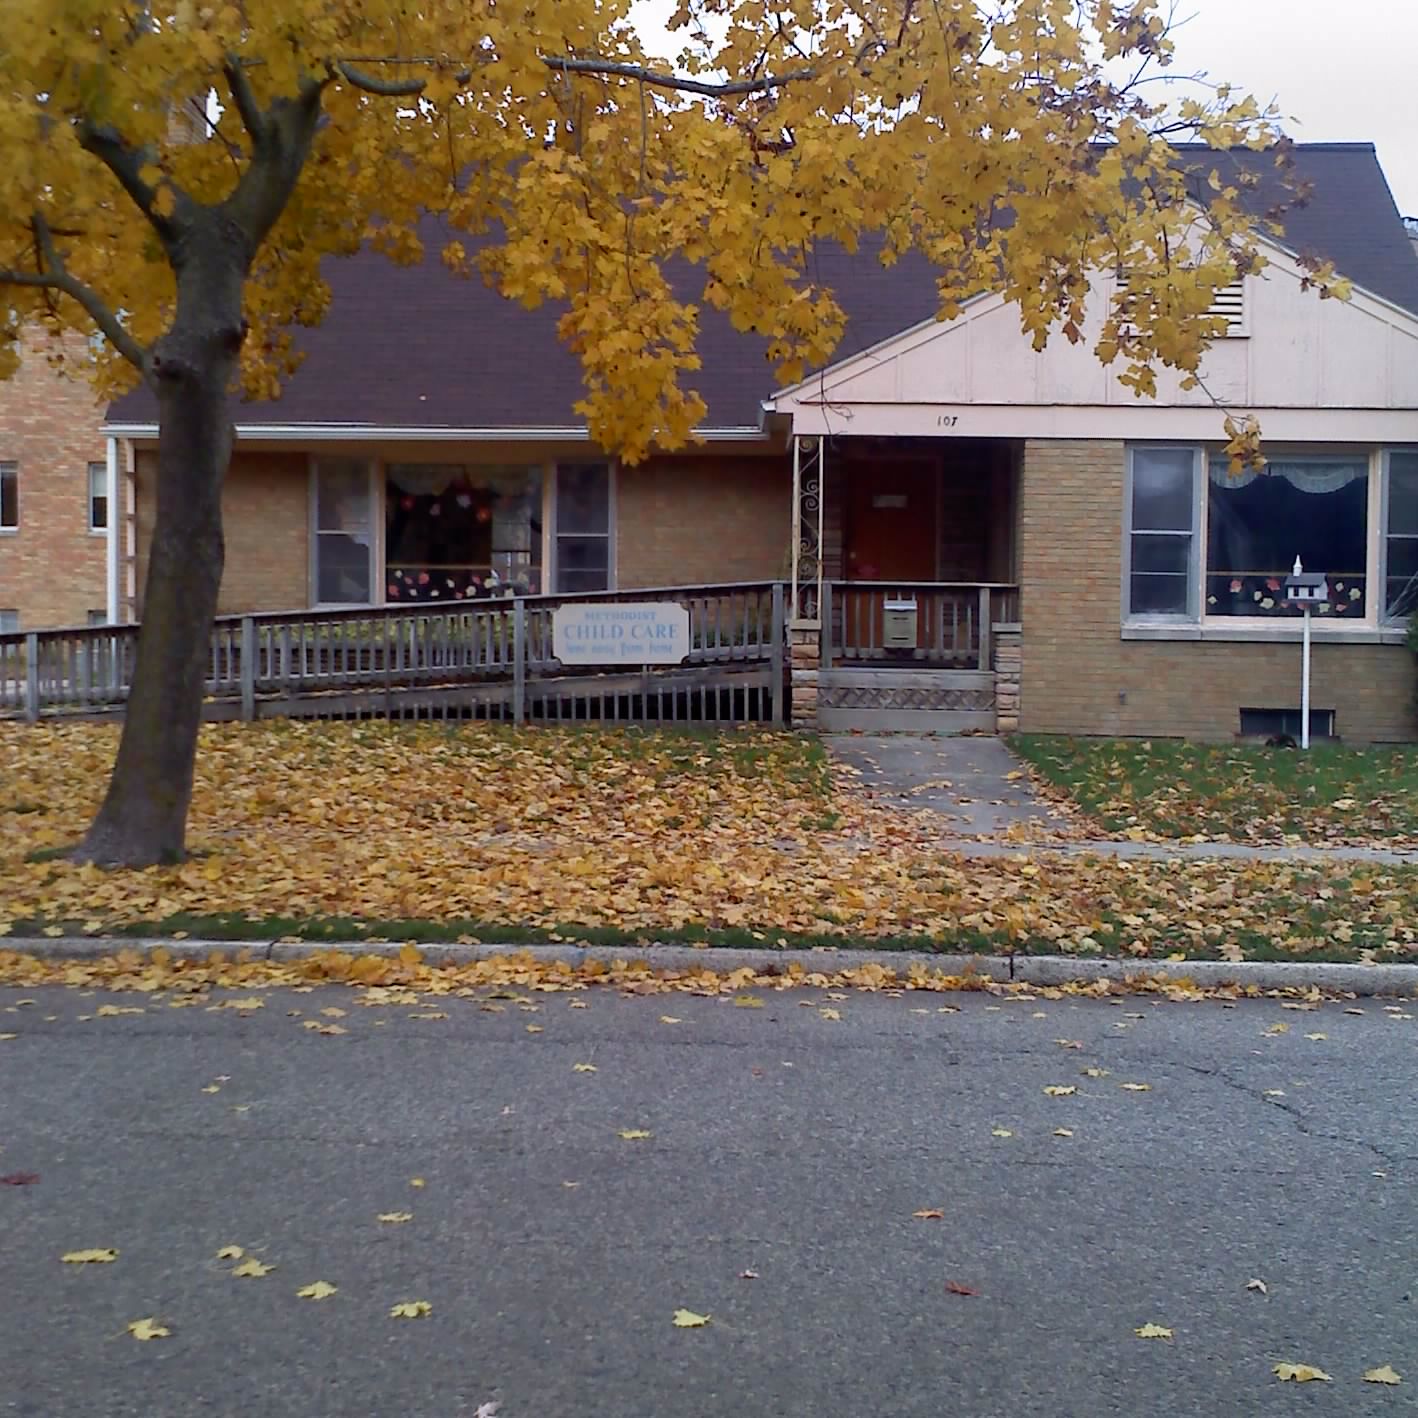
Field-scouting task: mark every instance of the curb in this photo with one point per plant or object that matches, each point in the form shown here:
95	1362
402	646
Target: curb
1044	970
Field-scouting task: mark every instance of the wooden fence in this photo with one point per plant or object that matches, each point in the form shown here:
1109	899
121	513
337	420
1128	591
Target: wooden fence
485	659
953	622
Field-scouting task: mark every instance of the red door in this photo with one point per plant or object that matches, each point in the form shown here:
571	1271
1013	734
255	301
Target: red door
890	526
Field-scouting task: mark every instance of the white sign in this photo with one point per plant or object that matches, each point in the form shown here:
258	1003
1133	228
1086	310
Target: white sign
631	633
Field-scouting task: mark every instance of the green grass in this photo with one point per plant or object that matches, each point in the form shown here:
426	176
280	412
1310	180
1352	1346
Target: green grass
1246	793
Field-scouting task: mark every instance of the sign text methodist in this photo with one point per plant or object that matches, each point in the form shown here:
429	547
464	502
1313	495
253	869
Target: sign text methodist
632	633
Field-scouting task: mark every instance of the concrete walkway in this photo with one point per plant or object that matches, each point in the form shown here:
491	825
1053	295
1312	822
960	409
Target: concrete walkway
988	812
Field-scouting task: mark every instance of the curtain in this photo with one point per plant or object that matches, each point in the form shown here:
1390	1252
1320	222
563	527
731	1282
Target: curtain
424	479
1307	477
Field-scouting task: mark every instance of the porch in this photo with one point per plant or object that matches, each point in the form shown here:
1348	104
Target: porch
905	590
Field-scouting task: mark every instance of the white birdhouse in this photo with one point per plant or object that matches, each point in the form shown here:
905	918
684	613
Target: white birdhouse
1305	588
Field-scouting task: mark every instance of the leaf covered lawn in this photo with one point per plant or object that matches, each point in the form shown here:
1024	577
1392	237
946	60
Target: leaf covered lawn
1168	788
340	830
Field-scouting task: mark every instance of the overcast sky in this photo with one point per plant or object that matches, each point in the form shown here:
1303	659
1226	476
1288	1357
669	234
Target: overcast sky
1341	70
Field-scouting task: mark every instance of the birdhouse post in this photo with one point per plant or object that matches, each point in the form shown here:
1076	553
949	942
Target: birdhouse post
1305	588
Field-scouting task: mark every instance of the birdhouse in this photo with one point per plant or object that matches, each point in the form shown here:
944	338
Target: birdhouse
1305	588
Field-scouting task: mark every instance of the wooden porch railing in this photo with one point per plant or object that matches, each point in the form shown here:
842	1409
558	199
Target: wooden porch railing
495	655
953	622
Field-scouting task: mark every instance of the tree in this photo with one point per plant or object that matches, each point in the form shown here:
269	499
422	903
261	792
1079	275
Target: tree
176	170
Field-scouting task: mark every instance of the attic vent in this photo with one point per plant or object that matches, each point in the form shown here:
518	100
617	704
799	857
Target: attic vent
1230	306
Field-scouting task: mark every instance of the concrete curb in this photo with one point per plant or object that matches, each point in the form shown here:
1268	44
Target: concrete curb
1370	980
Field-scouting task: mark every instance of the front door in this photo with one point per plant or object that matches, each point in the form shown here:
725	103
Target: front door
890	527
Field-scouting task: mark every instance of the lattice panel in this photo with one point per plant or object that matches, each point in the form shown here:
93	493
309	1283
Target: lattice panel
977	701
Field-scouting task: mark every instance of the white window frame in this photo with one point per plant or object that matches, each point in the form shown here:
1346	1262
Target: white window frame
552	560
1190	615
376	521
1198	622
11	465
101	469
1386	457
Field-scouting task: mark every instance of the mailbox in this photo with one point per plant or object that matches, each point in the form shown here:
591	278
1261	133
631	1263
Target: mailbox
1305	588
898	623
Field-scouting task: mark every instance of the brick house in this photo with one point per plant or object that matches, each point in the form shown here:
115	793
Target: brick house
54	496
975	534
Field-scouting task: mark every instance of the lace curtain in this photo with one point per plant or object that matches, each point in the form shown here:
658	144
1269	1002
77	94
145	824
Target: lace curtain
1307	477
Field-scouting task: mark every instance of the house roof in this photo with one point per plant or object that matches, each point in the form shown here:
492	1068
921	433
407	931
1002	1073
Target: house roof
413	347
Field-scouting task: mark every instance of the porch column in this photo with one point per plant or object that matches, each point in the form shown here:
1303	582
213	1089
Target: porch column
805	626
1009	667
113	528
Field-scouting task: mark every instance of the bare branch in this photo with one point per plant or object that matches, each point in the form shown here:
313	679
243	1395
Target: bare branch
385	88
54	277
243	96
607	68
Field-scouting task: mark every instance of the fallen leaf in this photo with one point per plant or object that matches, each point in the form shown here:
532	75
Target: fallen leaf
9	1036
93	1257
1258	1285
534	1028
1300	1374
19	1179
1317	1037
748	1002
635	1134
669	1019
1069	1043
148	1329
394	1218
410	1309
487	1410
1136	1087
320	1290
578	1004
1274	1092
230	1253
1153	1331
332	1011
929	1214
748	1275
954	1287
687	1319
829	1013
417	1182
1000	1132
1095	1073
212	1088
1063	1132
1385	1375
1060	1090
252	1268
583	1068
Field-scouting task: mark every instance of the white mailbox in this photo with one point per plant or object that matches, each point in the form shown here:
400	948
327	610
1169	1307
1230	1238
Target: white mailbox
898	623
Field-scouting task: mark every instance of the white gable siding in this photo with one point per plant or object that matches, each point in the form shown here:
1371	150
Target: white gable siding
1302	355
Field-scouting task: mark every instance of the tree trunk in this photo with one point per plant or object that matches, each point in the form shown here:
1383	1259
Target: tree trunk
143	819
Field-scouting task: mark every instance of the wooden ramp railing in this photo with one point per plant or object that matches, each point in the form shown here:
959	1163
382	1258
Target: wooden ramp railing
487	658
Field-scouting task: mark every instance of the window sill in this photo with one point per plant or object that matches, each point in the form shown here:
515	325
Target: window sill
1290	633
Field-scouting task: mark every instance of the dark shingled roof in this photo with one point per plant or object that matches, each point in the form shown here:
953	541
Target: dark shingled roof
416	347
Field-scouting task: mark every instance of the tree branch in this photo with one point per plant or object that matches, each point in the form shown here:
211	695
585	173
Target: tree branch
54	276
384	88
611	68
243	96
126	163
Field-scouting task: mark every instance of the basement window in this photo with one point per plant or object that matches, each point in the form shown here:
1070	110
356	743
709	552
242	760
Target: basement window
1272	723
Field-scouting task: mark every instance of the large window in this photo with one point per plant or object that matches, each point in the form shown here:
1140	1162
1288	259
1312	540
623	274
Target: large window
1258	522
9	497
455	533
98	497
1161	526
583	527
343	527
1401	542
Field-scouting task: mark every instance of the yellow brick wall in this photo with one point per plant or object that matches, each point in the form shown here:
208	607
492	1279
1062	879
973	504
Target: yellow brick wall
265	516
52	570
1080	677
703	518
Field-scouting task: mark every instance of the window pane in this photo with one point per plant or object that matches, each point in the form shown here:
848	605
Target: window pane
1158	594
1259	524
455	532
9	495
98	497
582	563
9	622
1401	592
1152	552
1403	493
342	540
1162	489
583	498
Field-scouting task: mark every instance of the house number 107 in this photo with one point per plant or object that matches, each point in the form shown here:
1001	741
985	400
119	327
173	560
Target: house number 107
947	420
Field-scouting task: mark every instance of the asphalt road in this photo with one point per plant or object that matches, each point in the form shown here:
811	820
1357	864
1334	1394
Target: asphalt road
784	1143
